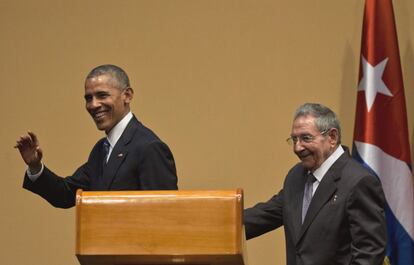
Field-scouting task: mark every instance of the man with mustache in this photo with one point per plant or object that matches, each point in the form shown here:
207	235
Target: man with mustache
130	157
331	208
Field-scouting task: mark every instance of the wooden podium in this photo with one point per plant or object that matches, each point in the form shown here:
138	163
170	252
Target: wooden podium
160	227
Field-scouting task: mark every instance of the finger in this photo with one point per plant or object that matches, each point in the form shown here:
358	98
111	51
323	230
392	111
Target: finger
25	141
19	147
18	143
39	153
33	137
25	138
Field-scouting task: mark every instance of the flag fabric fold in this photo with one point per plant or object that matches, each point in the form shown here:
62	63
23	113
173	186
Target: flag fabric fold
381	130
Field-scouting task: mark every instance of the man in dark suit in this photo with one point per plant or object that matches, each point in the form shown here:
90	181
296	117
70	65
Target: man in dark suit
130	157
331	208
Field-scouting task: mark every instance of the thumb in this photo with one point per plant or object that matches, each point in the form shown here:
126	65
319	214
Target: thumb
39	153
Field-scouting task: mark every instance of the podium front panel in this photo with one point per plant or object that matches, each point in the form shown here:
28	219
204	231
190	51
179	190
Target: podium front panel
149	227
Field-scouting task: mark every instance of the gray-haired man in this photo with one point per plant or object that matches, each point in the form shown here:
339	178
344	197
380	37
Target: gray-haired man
331	207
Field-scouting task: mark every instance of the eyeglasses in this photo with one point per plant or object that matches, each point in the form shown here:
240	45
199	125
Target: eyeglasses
304	138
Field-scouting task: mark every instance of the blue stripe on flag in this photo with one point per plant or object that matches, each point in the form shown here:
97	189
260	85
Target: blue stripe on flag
400	247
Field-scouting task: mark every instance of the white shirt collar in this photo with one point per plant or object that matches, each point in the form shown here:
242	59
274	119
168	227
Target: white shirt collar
116	132
321	171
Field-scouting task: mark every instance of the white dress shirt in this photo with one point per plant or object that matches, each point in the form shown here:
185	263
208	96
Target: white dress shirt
326	165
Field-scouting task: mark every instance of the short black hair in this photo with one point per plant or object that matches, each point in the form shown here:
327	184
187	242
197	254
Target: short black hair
119	75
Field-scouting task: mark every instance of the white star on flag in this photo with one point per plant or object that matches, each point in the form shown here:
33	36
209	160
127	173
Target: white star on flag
371	81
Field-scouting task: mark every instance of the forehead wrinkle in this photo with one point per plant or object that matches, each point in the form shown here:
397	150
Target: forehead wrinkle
304	123
105	80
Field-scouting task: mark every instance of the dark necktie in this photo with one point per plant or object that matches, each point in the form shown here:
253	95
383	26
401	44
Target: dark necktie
106	147
307	195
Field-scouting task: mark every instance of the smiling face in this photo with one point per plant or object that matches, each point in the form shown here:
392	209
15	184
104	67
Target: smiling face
105	102
312	153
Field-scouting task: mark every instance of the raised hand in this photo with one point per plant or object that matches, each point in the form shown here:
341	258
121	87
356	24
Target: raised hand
30	151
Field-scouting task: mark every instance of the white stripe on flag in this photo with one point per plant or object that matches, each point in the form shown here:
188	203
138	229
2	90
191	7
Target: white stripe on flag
397	182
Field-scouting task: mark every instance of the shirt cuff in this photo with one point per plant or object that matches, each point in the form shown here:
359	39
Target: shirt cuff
34	177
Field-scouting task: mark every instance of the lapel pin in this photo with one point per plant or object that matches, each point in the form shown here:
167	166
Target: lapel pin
335	198
120	155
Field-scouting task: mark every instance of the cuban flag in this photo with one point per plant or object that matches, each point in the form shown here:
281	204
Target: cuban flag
381	132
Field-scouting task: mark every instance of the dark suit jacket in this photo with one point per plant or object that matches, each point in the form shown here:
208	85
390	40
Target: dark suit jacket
138	161
345	222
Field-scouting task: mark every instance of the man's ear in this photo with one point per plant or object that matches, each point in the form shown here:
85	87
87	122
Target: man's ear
333	136
128	94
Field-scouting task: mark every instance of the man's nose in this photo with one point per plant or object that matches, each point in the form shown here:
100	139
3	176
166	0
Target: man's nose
93	103
297	147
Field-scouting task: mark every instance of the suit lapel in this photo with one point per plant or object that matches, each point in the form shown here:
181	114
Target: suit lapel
323	193
118	154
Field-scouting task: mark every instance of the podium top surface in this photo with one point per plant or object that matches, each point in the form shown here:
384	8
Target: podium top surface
106	196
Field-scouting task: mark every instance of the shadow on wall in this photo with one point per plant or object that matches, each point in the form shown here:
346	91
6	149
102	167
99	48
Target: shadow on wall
402	20
408	67
348	92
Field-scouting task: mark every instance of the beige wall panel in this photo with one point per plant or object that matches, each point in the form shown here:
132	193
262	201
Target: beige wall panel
218	80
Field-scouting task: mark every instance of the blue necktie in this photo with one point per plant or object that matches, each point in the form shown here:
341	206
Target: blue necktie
307	195
106	147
